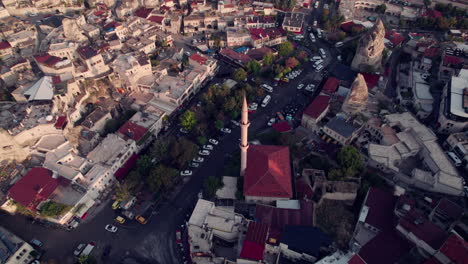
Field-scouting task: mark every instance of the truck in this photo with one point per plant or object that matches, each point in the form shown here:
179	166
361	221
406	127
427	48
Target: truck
87	250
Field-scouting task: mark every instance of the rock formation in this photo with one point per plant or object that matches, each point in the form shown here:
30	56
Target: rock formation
369	50
356	100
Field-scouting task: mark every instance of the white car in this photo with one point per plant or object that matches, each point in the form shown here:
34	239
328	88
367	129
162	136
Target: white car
111	228
198	159
213	141
204	152
253	106
208	147
339	58
226	130
194	165
271	122
310	87
235	122
78	249
32	14
300	86
186	172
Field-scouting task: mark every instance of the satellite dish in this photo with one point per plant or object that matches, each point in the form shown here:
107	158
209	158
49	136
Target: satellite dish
49	118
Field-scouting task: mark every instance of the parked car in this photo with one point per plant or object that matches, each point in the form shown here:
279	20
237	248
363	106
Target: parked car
79	249
116	205
208	147
120	220
140	219
300	86
178	237
310	87
226	130
235	122
186	173
198	159
36	242
204	152
87	250
32	14
183	131
111	228
194	165
213	141
271	121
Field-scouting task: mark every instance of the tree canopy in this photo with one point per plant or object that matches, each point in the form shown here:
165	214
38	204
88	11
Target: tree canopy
188	120
268	59
350	161
161	177
212	184
381	9
253	67
285	49
239	75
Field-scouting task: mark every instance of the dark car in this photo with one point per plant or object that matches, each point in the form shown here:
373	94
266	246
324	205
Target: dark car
106	251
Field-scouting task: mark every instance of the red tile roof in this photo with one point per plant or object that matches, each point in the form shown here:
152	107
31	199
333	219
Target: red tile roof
254	243
268	172
331	85
415	223
303	189
432	13
61	122
129	164
35	186
385	248
317	106
282	126
156	19
371	79
348	26
394	37
143	12
449	208
356	259
4	45
452	60
381	204
277	218
456	249
56	80
198	58
132	130
47	60
431	52
230	53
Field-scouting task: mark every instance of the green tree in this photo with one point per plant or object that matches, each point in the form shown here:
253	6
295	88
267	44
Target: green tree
253	67
268	59
159	149
291	63
133	179
350	161
286	48
161	177
381	9
202	140
212	184
122	192
144	164
230	105
53	209
188	120
182	151
219	124
239	75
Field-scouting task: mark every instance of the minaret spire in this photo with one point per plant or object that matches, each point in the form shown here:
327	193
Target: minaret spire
244	144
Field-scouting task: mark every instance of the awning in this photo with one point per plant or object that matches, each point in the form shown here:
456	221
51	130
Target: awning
129	164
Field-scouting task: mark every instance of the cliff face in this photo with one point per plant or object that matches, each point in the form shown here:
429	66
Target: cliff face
370	48
357	97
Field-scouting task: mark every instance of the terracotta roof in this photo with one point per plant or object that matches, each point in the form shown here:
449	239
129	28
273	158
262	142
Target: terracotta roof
415	223
432	13
456	249
381	204
47	59
198	58
317	106
282	126
34	187
129	164
156	19
132	130
431	52
61	122
278	218
86	52
259	53
254	243
143	12
449	208
331	85
356	259
371	79
303	189
385	248
230	53
348	26
268	172
4	45
394	37
452	60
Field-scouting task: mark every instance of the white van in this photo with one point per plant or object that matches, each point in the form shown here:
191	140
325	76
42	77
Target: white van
319	62
322	53
339	44
312	37
316	58
319	33
266	100
317	4
267	88
319	68
455	159
87	250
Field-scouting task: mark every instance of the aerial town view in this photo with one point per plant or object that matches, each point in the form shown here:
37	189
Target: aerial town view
233	131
